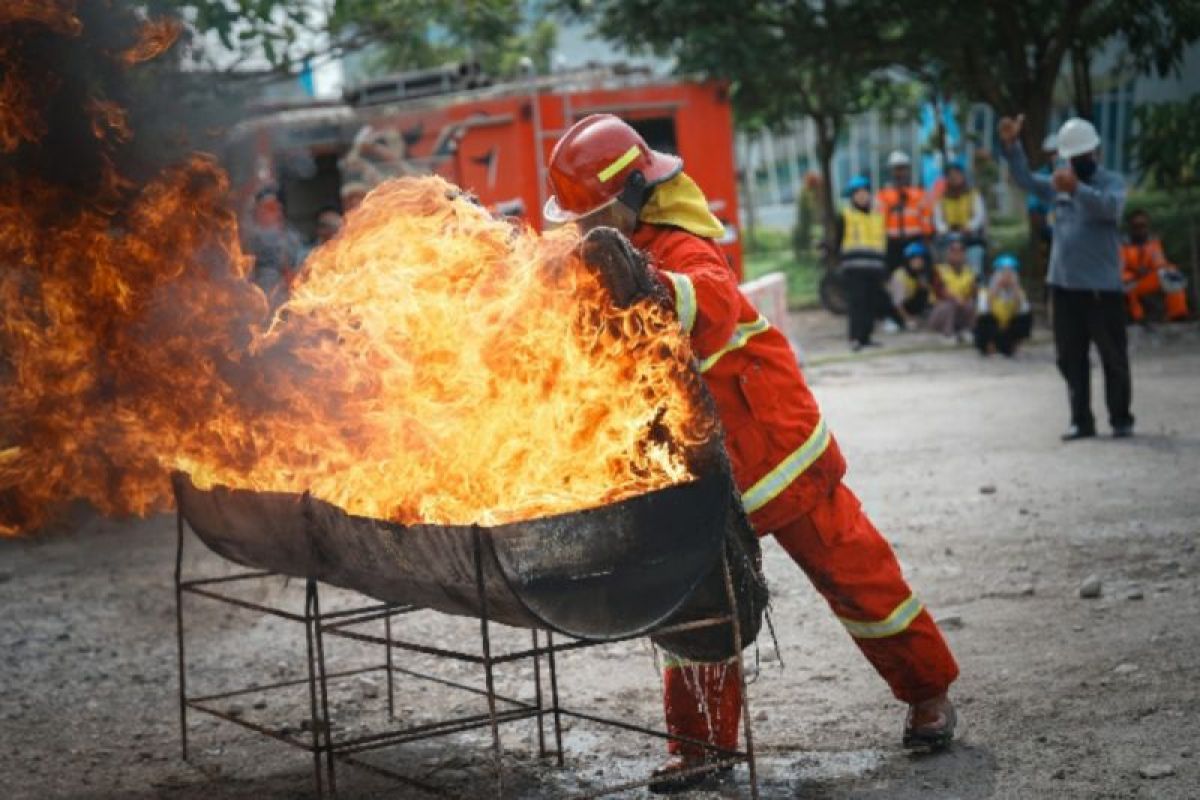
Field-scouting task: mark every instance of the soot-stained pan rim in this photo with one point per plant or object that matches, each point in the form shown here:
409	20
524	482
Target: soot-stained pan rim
705	484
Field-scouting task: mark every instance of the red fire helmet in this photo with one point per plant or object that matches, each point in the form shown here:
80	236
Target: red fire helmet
592	163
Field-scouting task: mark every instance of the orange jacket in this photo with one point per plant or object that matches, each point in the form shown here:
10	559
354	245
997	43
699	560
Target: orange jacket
1139	260
784	458
906	211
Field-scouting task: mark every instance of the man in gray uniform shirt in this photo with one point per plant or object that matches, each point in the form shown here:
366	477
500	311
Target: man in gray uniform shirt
1085	269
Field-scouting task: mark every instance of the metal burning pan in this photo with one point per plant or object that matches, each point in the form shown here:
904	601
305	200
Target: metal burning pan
603	573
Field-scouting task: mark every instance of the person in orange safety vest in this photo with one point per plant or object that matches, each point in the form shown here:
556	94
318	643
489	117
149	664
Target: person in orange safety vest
1146	271
906	210
785	460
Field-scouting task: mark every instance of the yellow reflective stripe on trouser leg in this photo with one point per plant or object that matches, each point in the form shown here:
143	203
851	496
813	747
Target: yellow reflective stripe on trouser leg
741	334
770	485
685	300
621	163
895	623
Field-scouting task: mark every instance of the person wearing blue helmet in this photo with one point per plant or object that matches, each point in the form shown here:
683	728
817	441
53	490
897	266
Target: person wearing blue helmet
911	286
1004	318
861	238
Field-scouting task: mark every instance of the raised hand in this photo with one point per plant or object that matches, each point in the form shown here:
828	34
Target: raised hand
1009	128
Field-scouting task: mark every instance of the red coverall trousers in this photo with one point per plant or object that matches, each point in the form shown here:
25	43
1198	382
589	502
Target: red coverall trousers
854	569
1150	284
789	471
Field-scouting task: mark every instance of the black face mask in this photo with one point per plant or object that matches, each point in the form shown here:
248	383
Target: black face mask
1139	237
1084	166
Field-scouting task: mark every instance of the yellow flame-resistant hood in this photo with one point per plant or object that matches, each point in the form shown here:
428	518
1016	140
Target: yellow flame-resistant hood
680	203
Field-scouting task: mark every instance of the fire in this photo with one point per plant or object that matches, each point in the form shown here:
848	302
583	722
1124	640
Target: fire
155	38
452	369
433	364
57	15
20	87
108	119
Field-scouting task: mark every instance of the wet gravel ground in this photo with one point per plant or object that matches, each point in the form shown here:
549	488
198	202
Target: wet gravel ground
957	461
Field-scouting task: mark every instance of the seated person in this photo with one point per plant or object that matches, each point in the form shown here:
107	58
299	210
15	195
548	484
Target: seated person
911	284
954	287
1146	271
1004	318
960	210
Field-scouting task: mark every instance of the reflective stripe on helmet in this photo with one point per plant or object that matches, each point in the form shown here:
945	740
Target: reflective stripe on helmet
893	624
621	163
770	485
741	334
685	300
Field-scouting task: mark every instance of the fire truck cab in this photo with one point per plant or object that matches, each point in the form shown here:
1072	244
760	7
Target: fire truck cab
492	140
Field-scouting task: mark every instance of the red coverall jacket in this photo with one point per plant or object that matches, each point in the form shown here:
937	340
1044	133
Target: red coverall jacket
784	458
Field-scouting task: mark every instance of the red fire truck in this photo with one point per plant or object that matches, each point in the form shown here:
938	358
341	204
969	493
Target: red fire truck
493	140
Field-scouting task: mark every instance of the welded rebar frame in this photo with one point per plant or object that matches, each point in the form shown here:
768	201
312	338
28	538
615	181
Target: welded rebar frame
326	752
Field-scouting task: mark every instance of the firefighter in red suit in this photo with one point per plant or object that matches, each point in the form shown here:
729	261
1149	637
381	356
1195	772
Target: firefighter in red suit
785	460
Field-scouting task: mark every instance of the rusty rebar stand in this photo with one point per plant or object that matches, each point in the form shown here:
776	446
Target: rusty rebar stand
327	752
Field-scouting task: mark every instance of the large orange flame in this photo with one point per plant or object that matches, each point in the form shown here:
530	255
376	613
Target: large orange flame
433	364
444	367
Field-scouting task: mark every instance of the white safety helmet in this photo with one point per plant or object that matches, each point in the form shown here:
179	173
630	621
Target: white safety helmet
1076	137
899	158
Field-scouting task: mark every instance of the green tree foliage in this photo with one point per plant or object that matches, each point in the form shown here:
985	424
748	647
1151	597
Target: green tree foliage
785	60
405	34
1010	53
1167	148
279	32
1153	35
423	33
1167	144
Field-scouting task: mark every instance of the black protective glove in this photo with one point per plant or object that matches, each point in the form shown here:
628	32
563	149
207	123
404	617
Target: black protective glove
622	267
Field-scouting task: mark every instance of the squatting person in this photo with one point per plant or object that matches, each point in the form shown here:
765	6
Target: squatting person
954	284
1004	318
911	286
785	461
1145	271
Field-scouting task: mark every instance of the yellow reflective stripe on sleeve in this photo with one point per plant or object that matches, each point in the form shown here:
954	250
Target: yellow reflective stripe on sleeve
770	485
685	300
741	334
897	622
621	163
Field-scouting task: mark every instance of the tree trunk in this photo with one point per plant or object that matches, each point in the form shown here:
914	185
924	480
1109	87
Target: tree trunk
1037	103
1081	81
746	178
939	131
826	142
1036	107
1194	240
